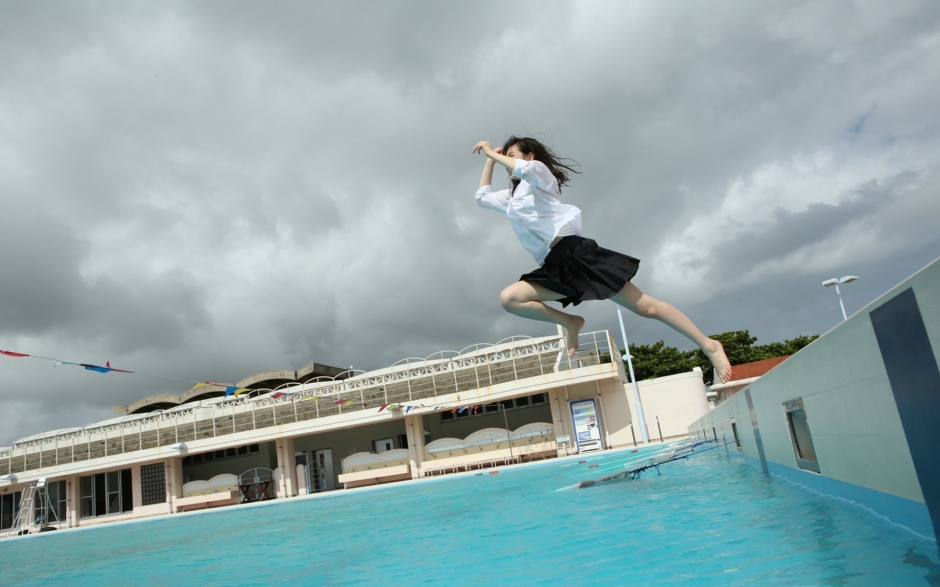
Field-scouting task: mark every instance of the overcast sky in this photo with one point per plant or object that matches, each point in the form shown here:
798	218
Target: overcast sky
211	189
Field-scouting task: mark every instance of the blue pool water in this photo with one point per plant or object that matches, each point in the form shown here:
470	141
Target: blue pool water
711	520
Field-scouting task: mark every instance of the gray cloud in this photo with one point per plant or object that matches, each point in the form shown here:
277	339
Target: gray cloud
789	232
206	190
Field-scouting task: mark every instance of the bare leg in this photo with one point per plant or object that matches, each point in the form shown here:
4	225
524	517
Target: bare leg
639	303
525	299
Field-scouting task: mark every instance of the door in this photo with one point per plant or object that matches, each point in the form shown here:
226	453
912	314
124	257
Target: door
321	471
380	446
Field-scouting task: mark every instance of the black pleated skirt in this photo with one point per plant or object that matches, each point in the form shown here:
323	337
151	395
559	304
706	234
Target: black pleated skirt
580	270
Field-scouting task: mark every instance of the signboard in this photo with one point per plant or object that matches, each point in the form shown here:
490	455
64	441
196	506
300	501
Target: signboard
587	430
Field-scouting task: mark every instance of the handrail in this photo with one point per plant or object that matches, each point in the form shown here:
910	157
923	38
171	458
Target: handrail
257	409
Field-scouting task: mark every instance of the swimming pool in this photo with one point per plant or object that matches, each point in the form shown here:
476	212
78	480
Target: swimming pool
711	520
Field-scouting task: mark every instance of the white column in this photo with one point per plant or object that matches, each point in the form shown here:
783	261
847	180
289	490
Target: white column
287	486
136	488
414	428
174	481
73	488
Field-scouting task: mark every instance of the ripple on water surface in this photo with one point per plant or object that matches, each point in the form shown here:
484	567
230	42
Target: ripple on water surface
711	520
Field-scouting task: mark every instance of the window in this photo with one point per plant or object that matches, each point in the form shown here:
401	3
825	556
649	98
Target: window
56	509
402	441
528	401
222	454
9	507
106	493
152	484
800	435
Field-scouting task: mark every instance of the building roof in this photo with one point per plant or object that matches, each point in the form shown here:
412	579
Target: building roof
755	369
266	380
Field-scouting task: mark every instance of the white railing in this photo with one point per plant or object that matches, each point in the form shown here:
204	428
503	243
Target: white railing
410	380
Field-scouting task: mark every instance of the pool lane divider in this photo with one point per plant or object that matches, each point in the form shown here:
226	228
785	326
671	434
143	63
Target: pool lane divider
676	454
617	464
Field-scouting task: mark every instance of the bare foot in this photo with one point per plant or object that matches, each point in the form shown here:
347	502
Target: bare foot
719	360
572	330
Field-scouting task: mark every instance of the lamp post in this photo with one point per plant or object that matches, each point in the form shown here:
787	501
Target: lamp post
636	389
837	282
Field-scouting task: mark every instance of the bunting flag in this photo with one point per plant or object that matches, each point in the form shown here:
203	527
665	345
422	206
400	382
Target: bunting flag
234	390
109	369
237	391
98	369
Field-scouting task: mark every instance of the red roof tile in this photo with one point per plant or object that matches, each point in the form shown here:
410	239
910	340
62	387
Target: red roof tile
755	369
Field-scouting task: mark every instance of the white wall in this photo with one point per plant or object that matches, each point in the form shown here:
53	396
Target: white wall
678	400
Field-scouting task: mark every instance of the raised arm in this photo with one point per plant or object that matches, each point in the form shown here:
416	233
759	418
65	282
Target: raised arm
487	177
494	155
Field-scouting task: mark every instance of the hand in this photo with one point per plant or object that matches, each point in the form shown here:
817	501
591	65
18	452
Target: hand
485	147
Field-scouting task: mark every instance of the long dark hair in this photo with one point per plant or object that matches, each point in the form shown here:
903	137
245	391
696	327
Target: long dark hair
543	154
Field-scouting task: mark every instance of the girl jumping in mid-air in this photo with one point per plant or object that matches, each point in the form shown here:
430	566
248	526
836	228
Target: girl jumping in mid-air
572	268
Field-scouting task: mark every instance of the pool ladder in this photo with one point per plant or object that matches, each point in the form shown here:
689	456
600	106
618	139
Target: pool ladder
31	493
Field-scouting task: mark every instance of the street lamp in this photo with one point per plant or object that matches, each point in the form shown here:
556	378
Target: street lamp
837	282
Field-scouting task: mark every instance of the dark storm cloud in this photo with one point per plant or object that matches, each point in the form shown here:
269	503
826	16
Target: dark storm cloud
788	232
212	189
43	291
39	263
405	41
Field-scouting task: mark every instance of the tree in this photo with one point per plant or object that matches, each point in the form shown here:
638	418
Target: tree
659	360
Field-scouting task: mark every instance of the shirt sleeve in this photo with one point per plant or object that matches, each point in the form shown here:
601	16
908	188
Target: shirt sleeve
487	198
536	174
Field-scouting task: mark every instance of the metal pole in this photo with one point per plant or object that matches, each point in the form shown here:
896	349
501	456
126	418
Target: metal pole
660	429
508	436
636	389
841	305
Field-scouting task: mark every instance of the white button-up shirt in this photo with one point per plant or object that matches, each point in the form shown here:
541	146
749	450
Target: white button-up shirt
535	211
